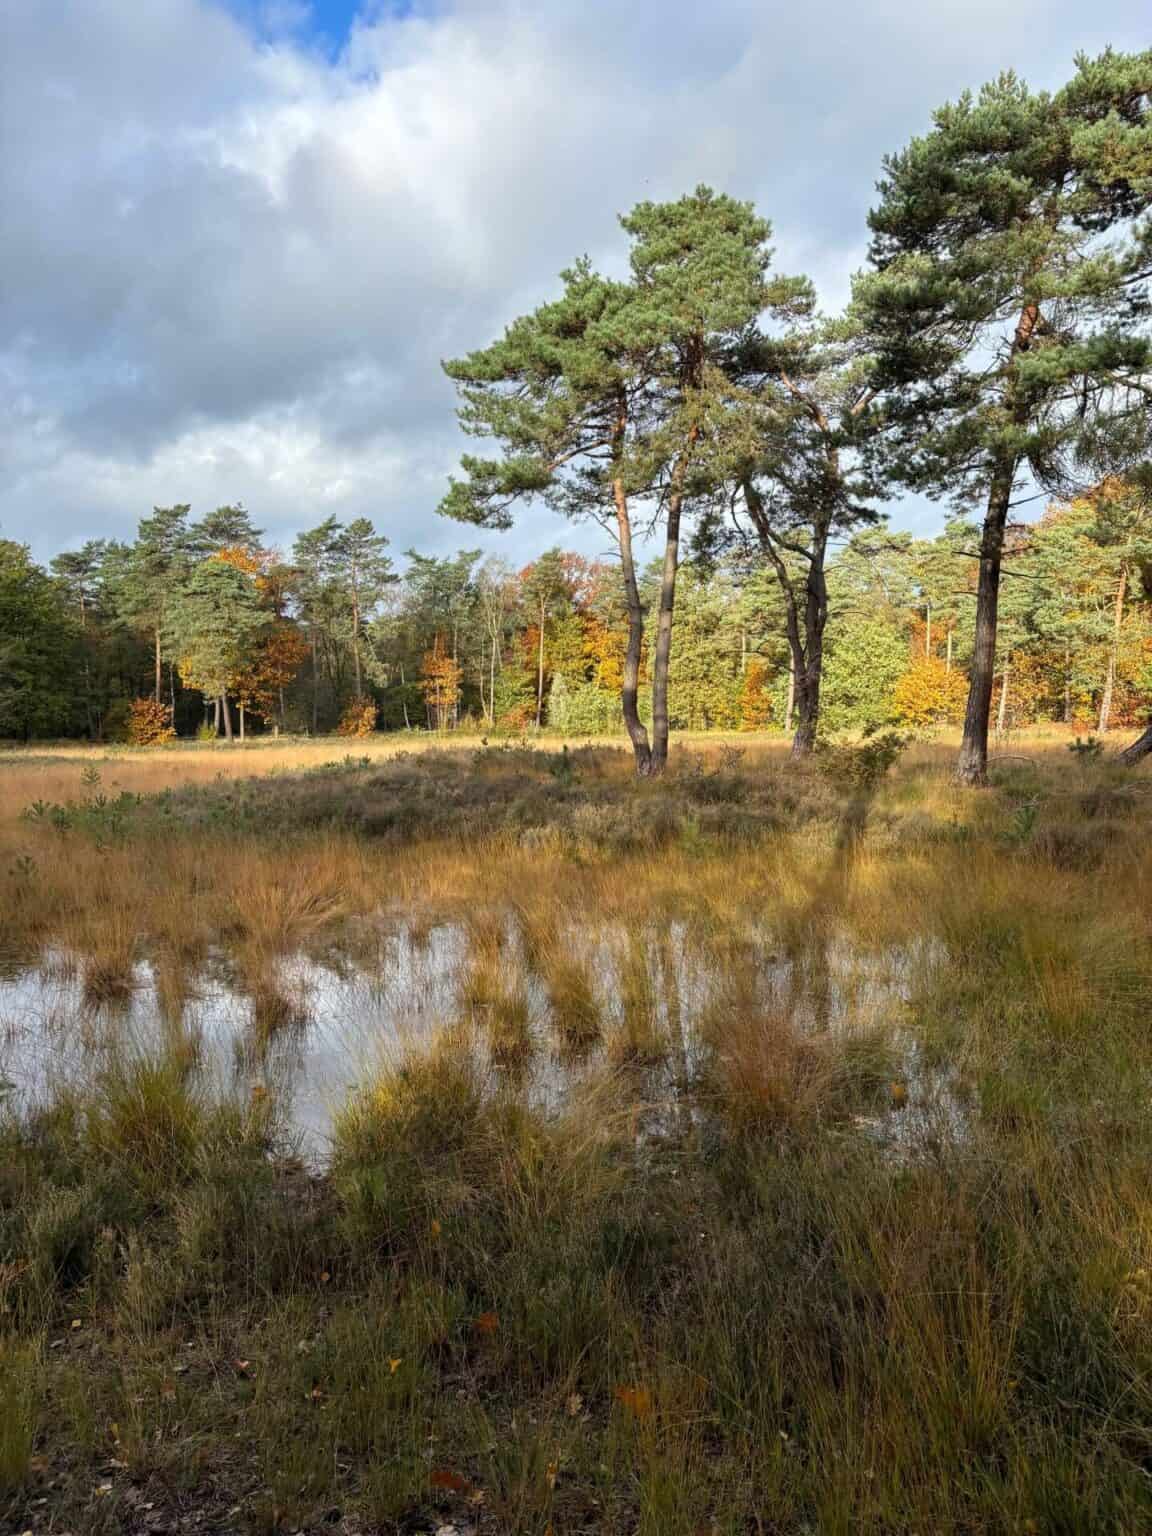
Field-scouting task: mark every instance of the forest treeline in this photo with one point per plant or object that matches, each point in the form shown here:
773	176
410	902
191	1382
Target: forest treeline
198	627
994	354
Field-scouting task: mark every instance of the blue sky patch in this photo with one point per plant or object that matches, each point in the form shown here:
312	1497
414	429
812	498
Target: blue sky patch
325	24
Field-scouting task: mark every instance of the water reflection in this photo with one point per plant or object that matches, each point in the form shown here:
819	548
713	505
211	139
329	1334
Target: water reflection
549	1009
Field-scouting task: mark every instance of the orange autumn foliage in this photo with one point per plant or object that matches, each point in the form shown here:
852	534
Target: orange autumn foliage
442	675
929	694
605	648
359	718
755	703
275	662
149	723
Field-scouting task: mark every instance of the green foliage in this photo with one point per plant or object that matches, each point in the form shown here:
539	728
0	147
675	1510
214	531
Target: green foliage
582	709
1006	232
213	618
860	767
866	659
39	648
1087	750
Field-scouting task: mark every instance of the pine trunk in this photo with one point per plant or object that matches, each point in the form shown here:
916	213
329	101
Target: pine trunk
540	674
810	663
972	766
157	661
630	688
315	685
356	649
226	713
663	649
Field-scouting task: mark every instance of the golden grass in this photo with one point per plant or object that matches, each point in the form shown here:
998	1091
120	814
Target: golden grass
736	1273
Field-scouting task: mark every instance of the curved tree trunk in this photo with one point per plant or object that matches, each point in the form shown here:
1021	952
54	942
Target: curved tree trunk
1139	750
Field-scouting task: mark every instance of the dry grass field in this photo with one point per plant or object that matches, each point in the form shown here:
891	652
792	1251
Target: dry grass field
765	1149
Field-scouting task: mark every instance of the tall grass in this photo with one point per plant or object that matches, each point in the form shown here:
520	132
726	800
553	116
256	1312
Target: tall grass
761	1178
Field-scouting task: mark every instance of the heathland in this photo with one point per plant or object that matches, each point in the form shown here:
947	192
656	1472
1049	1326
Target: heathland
488	1138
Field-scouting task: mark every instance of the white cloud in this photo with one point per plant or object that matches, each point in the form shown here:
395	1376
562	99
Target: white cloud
233	264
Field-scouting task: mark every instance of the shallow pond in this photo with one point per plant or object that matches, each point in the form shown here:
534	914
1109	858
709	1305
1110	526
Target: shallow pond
314	1026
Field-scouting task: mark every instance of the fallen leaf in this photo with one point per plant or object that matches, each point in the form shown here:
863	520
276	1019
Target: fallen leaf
487	1322
168	1391
442	1477
899	1092
550	1474
77	1322
436	1227
394	1364
574	1405
637	1400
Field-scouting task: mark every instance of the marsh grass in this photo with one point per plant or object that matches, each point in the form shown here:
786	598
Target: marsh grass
733	1278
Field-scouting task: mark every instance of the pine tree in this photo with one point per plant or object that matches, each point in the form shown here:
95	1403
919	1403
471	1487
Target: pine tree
807	408
80	570
363	573
1004	304
225	528
315	558
609	397
159	557
212	623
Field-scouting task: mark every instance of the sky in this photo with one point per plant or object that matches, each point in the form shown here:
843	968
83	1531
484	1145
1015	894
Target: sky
239	236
